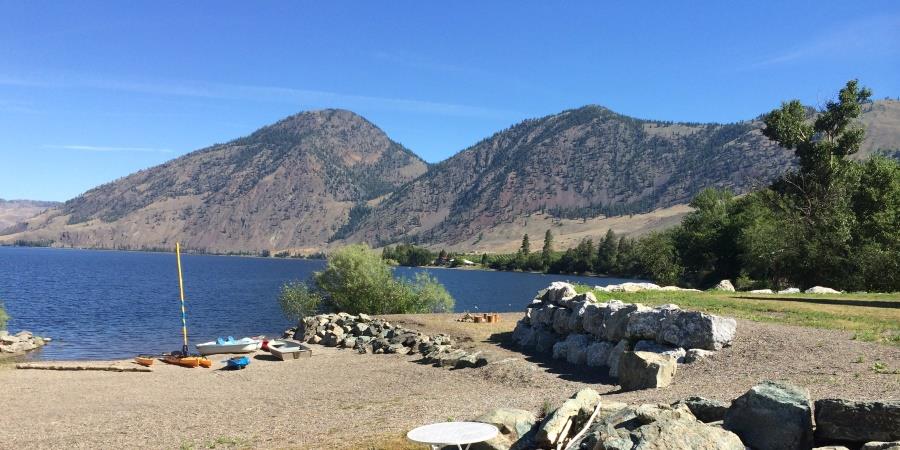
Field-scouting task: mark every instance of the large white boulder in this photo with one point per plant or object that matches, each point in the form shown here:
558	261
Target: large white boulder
724	286
821	290
693	329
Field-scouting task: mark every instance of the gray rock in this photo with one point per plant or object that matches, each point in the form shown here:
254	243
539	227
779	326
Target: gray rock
772	416
646	370
523	335
615	319
598	353
858	422
576	409
692	329
821	290
789	291
615	355
557	291
576	318
762	291
560	349
397	348
697	354
704	409
306	329
450	359
723	286
364	318
470	360
592	319
544	340
658	427
654	347
576	348
645	323
348	342
561	320
358	329
514	424
881	446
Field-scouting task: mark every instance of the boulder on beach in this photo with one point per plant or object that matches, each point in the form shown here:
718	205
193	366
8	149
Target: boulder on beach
704	409
772	416
514	425
657	427
572	414
646	370
857	421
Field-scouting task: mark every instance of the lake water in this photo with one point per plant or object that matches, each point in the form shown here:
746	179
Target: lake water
104	304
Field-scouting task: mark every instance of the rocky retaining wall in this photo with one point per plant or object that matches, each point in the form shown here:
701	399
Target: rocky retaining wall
366	334
770	416
581	330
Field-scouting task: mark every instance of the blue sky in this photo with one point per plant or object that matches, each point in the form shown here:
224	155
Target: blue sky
92	91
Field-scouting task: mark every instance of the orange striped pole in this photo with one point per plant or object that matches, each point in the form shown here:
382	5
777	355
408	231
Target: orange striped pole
184	349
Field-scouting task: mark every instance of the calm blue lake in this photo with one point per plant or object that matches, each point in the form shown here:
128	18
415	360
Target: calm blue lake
104	304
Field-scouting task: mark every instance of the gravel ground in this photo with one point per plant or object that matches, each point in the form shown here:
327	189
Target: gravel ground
339	399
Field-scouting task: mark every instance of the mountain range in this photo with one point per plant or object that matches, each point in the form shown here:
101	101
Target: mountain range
324	178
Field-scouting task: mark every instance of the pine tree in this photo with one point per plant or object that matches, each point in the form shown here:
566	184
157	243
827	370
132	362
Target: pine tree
547	250
607	253
526	246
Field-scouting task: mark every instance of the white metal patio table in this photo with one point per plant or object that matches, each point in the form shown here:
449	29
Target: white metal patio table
438	435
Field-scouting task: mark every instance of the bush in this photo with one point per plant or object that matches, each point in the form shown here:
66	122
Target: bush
357	280
297	300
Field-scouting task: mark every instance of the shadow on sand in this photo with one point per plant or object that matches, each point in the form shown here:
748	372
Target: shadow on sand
563	369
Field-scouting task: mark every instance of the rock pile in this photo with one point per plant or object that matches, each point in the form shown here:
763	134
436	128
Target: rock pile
580	330
771	416
640	287
21	342
367	334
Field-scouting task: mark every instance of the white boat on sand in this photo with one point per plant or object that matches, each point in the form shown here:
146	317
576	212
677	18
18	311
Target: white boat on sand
229	345
286	350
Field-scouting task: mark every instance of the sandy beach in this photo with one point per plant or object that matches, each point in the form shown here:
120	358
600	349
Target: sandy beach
341	399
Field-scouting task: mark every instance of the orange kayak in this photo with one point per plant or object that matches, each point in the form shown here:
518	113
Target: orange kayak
205	362
145	361
189	361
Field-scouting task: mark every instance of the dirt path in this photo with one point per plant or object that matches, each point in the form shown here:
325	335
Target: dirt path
339	399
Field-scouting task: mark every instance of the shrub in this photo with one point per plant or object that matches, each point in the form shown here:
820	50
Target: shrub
357	280
3	317
297	300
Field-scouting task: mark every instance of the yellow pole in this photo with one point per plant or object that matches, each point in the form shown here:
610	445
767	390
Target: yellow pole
184	349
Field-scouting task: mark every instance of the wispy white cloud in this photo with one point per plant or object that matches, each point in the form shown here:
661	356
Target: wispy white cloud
306	98
104	149
17	107
870	37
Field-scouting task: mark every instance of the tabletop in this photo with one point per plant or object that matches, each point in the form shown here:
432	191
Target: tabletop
453	433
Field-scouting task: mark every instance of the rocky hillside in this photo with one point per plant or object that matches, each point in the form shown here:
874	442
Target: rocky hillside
330	177
585	163
289	185
15	211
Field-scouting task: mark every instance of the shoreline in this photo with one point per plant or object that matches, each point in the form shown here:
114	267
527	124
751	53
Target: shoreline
66	408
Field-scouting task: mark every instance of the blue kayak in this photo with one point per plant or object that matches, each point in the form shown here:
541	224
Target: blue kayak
237	363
